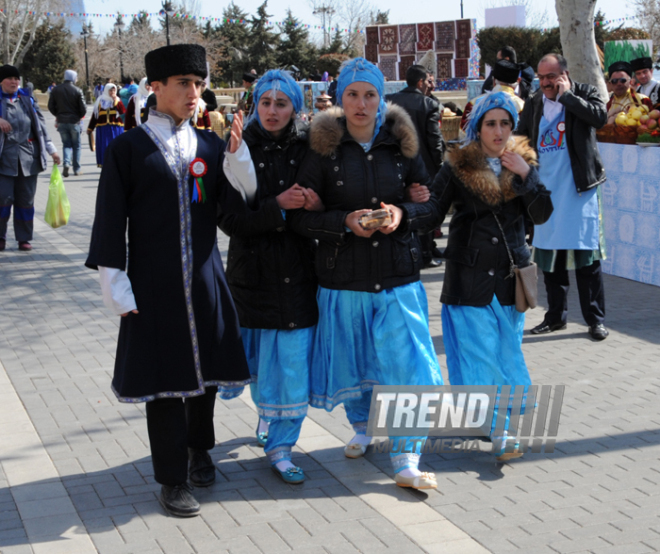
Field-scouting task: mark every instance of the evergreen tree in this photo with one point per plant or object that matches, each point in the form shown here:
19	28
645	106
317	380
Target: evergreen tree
49	56
136	40
382	18
295	48
600	30
234	39
263	42
336	46
216	51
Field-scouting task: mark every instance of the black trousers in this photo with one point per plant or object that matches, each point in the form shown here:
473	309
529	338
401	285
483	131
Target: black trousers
174	425
427	243
590	290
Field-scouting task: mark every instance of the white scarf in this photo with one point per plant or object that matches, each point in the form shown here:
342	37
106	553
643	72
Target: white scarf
140	99
201	106
105	101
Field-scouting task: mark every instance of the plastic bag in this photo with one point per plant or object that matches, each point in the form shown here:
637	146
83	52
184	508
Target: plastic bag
58	208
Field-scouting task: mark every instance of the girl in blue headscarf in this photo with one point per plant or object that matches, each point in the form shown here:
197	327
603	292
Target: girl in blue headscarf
373	315
270	268
493	183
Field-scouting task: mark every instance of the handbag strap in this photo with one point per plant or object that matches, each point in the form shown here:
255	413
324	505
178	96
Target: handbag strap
508	251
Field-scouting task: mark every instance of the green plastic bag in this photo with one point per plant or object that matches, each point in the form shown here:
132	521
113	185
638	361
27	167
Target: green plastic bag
57	207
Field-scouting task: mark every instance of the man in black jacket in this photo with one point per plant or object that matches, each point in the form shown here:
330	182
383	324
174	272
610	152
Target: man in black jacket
561	121
425	115
67	104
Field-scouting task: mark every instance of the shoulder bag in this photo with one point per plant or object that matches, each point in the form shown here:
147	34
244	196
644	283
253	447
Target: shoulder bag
526	279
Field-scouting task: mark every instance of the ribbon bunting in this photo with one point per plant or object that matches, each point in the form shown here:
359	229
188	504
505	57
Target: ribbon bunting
179	16
603	23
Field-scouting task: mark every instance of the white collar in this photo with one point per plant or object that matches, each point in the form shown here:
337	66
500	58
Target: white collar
648	87
177	139
551	108
165	123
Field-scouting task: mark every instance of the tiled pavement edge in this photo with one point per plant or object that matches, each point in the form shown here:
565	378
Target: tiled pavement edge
94	491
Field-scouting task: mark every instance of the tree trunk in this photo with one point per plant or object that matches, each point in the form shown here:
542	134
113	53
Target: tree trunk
578	41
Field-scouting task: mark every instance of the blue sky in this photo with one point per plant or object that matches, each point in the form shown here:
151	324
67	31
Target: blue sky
400	12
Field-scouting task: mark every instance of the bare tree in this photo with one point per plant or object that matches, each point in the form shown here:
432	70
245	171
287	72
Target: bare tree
137	40
350	15
578	42
648	13
102	58
325	11
19	20
356	15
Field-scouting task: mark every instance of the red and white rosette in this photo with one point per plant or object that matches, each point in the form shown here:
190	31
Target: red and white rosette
198	169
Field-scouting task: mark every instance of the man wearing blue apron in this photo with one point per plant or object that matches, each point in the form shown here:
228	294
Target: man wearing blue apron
561	121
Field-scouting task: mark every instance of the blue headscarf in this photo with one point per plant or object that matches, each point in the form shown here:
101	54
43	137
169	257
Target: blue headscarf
489	101
359	69
276	80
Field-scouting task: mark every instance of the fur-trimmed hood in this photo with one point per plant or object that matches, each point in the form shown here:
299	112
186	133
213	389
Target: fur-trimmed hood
471	168
328	129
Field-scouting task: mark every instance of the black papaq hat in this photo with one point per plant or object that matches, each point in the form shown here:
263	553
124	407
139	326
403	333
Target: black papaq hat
641	63
249	77
506	71
177	59
620	66
211	101
9	71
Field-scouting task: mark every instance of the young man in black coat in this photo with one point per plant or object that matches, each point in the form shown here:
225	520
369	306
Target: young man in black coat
179	339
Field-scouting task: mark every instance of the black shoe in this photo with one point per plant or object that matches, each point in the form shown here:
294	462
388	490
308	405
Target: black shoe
598	331
545	327
432	263
65	172
437	253
179	501
201	468
3	244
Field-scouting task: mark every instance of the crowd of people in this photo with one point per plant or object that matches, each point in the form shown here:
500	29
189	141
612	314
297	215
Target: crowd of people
330	223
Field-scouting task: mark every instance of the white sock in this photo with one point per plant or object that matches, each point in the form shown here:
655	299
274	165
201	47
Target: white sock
283	465
360	439
410	472
263	426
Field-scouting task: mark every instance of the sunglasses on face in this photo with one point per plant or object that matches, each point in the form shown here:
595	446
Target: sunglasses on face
617	81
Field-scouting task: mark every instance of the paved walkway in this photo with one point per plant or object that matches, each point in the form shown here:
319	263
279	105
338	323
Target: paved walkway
75	474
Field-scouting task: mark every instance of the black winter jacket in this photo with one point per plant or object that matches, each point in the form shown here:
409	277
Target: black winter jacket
270	269
425	115
66	103
347	178
585	112
477	263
